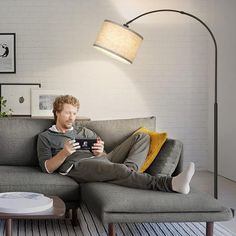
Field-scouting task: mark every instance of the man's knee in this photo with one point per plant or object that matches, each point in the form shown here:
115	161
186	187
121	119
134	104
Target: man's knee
142	136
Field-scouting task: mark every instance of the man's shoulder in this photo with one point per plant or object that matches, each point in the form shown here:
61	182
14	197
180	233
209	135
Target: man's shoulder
47	133
44	133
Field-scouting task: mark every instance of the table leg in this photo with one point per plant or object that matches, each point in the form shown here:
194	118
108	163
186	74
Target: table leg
8	227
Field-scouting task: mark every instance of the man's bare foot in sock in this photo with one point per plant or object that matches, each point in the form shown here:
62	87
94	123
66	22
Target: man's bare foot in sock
180	183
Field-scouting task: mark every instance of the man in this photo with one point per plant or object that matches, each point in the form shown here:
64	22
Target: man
58	151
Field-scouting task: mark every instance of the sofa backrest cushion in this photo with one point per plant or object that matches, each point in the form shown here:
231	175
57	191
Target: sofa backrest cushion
18	135
18	139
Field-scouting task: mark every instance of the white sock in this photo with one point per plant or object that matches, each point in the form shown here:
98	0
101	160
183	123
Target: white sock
180	183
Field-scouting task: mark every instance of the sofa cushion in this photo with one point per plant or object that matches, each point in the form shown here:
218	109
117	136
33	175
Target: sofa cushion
18	137
156	142
167	159
31	179
113	198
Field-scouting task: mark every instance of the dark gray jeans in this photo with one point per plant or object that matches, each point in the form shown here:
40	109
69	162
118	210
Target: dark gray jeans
121	167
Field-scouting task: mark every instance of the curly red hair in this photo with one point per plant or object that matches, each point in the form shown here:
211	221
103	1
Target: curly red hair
64	99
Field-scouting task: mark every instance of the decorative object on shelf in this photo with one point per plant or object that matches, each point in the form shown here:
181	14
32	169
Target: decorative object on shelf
42	101
7	53
18	97
3	103
120	42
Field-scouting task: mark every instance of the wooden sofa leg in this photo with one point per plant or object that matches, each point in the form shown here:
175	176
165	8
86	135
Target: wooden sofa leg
74	220
209	228
111	229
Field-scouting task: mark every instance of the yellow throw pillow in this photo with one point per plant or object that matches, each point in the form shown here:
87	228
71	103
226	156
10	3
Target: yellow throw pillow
156	142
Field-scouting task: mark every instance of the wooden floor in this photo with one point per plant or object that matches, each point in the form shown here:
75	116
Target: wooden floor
203	180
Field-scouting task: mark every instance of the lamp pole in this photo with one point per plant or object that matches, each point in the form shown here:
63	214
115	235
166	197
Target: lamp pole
215	89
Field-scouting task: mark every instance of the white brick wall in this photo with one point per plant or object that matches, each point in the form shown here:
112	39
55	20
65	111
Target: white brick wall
169	78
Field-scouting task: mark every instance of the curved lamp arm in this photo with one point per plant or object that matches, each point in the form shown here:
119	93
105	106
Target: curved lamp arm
122	43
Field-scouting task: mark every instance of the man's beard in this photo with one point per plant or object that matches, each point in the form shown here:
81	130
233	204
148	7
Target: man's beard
68	125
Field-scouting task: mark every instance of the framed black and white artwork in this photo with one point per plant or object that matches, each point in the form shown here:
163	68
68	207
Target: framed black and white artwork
7	53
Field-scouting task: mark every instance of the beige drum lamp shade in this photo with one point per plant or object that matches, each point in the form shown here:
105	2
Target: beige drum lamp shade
118	41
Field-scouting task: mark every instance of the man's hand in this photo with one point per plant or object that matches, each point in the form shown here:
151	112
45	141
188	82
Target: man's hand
70	147
98	148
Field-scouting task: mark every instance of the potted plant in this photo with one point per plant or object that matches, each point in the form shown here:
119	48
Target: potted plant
3	103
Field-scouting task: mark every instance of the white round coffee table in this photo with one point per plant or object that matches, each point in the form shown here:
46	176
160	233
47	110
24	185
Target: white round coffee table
24	202
28	205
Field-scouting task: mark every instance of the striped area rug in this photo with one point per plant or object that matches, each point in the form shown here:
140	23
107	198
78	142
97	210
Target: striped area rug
91	226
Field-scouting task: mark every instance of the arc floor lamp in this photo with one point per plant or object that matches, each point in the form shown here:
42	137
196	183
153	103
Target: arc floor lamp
122	43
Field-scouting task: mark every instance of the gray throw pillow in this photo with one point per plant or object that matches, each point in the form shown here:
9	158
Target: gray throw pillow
167	159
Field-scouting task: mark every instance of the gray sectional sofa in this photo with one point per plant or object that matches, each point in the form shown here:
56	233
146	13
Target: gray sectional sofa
19	171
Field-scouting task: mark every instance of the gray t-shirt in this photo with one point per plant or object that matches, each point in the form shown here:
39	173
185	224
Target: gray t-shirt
51	142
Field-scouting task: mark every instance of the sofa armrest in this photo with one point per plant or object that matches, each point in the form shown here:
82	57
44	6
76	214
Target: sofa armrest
169	160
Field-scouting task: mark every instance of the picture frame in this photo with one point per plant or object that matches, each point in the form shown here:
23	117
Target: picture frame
7	53
18	97
42	102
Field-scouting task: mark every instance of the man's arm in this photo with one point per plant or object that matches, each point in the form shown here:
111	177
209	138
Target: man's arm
53	163
56	161
48	162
